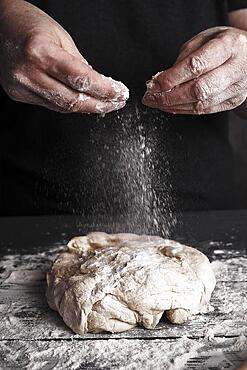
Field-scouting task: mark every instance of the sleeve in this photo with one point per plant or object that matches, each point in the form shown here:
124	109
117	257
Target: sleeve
236	4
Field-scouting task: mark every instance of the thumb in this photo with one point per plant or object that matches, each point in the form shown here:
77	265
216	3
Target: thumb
197	42
69	45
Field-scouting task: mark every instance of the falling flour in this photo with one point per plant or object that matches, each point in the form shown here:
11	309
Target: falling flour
121	175
150	200
145	199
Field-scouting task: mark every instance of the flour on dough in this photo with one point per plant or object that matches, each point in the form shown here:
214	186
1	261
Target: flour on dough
114	282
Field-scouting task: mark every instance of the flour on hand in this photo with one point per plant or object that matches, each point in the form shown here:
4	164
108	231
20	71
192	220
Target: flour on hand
114	282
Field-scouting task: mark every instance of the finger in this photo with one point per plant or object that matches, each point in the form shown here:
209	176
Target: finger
225	106
237	89
69	45
68	101
182	94
24	95
62	98
243	366
197	41
73	71
201	108
201	89
188	48
208	57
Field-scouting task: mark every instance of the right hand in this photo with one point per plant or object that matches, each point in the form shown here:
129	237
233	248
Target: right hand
40	64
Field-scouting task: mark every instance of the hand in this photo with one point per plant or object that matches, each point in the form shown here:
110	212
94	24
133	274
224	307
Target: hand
209	76
41	65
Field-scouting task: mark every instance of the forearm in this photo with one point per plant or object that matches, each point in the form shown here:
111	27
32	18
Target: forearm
9	5
238	19
14	26
18	15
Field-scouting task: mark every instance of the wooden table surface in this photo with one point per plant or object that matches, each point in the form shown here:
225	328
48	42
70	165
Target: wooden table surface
32	336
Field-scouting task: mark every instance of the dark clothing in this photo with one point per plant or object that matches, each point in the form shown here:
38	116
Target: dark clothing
55	163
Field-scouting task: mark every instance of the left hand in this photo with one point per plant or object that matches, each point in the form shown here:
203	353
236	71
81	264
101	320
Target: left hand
209	75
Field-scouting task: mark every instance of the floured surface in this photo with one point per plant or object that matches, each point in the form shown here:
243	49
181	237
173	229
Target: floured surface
41	339
181	354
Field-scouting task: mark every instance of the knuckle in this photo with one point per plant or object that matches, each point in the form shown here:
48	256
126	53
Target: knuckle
238	38
225	36
238	87
236	101
74	105
233	37
16	76
18	79
12	92
199	107
164	81
82	83
232	103
33	49
201	90
228	105
242	39
13	84
60	108
197	65
166	100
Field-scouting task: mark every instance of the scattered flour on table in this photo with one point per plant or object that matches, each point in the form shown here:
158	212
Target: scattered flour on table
129	354
25	276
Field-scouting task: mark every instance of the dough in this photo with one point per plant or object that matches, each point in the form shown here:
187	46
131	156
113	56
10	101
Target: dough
114	282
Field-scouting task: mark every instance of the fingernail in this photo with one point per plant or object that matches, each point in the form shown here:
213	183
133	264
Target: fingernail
107	107
100	108
122	92
83	97
163	83
153	86
157	74
150	84
118	105
80	84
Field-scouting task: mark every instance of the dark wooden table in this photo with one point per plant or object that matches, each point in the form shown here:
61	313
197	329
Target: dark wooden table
34	337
